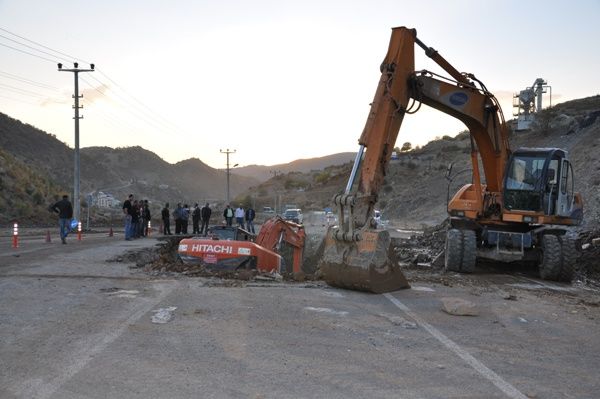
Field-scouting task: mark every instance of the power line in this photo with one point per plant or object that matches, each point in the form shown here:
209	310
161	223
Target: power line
144	108
46	47
115	119
132	110
24	91
33	48
28	81
144	113
26	52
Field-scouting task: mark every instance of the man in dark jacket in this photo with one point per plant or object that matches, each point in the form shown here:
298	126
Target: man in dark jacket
65	214
205	214
166	220
196	219
250	215
147	217
178	218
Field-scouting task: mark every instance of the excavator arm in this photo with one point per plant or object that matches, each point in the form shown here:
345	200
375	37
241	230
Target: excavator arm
276	231
356	255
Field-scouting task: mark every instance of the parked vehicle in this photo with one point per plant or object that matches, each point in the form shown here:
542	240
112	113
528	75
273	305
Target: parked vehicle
294	215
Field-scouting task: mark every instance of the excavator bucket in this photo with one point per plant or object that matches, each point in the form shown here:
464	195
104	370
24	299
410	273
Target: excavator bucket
369	264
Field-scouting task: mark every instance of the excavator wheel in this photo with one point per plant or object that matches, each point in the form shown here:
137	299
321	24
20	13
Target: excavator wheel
369	264
569	257
453	250
550	265
461	251
469	255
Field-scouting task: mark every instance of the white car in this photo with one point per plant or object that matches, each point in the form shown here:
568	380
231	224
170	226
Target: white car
294	215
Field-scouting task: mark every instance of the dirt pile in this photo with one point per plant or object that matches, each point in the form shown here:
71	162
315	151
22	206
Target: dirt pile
425	248
589	262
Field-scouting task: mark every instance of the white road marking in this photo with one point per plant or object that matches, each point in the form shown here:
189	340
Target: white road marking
90	347
327	310
421	288
494	378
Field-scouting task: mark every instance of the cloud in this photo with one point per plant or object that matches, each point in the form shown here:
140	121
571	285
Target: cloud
90	95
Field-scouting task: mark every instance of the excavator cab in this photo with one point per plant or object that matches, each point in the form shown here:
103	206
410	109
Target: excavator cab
541	181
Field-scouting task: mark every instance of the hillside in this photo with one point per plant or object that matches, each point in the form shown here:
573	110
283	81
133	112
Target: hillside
47	163
46	172
415	188
263	173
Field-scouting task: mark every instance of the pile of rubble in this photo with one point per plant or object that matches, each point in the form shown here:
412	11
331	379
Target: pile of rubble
589	262
422	249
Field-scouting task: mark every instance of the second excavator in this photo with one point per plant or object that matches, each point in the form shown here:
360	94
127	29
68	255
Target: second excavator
520	212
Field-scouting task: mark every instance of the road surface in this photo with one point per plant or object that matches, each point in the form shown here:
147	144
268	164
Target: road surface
76	326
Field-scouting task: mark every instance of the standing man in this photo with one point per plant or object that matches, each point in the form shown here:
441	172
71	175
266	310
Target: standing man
239	216
135	219
147	217
65	214
185	217
165	218
128	212
250	215
177	217
228	215
196	219
205	213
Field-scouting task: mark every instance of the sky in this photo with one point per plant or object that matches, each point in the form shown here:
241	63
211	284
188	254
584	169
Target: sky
274	81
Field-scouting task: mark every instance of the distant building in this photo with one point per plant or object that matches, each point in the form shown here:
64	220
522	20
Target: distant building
104	200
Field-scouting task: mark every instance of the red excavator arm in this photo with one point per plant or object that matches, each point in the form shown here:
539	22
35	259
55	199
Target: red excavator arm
276	231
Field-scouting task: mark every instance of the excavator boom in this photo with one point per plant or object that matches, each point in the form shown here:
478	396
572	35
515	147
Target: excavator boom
356	255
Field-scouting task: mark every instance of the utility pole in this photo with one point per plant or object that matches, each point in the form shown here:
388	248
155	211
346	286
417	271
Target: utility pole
76	96
227	152
275	206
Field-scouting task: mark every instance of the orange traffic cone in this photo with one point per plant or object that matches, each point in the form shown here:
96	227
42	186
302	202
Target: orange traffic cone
48	236
110	232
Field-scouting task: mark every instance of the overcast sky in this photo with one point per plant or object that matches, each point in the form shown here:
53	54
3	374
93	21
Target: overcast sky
274	80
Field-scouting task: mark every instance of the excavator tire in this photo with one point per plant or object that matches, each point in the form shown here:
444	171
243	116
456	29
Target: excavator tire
369	264
569	257
454	250
469	251
550	266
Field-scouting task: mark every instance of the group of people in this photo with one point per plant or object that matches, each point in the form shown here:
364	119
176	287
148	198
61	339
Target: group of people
181	215
137	218
201	218
244	218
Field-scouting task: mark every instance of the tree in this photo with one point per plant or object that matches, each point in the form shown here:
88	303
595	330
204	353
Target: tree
406	147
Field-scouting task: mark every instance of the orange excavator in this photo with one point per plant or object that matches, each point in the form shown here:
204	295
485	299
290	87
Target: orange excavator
521	212
232	248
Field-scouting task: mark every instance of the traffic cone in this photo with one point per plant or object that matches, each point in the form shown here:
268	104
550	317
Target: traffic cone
48	236
110	232
15	243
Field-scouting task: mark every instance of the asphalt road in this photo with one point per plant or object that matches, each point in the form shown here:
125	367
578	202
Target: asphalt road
73	325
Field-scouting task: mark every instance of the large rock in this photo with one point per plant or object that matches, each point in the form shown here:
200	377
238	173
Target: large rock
459	307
